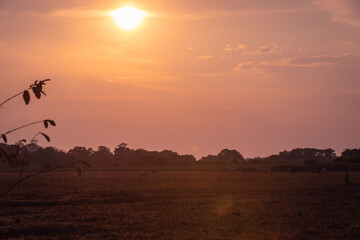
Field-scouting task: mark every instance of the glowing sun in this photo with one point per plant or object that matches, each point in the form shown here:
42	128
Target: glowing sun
128	17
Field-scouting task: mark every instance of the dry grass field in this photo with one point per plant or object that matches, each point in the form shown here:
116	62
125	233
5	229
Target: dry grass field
181	205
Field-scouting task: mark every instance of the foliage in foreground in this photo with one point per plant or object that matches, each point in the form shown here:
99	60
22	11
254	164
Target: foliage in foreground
20	150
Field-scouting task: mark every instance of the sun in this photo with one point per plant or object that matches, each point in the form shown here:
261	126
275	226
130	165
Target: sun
128	17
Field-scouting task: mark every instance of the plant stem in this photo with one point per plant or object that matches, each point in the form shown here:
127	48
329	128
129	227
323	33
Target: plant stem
26	125
12	97
22	164
29	176
23	159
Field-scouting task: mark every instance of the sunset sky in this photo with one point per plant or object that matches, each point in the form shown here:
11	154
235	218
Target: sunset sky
195	77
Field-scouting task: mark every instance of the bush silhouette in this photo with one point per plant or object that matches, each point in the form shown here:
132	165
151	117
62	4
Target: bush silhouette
19	153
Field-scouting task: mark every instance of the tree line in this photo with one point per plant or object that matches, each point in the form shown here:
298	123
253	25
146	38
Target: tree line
102	156
122	155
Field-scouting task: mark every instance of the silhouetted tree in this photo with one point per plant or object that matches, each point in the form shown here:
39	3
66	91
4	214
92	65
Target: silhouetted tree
349	156
80	153
230	155
350	152
209	158
122	152
303	154
102	155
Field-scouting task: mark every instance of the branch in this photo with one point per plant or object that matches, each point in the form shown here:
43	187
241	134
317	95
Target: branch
29	176
23	159
37	89
15	129
22	164
13	97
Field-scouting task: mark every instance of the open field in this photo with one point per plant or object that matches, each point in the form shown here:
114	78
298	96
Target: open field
182	205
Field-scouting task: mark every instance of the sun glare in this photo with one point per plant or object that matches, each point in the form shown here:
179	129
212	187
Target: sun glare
128	17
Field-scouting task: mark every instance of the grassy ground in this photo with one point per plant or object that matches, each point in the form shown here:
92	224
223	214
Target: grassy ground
181	205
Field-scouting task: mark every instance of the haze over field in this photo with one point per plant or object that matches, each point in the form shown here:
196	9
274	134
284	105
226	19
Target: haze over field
196	77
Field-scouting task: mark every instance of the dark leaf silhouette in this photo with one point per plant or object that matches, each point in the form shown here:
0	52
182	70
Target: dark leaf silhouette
37	91
26	96
37	87
85	163
45	136
52	122
4	138
47	121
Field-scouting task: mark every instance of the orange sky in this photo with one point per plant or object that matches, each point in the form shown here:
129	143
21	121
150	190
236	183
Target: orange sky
195	77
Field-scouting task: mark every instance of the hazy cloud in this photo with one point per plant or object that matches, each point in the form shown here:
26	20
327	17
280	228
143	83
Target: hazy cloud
204	15
247	66
228	47
302	62
350	44
272	48
79	13
344	11
66	13
268	49
204	57
232	13
316	61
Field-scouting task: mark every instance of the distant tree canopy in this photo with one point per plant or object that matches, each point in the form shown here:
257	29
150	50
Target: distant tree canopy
351	153
303	154
50	156
225	155
349	156
230	155
125	155
80	153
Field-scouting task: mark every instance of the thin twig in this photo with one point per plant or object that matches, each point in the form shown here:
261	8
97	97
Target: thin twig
22	164
29	176
23	159
13	97
26	125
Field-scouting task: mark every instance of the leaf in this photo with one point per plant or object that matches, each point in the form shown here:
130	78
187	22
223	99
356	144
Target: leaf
52	122
4	137
45	136
37	91
78	169
46	124
85	163
26	96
